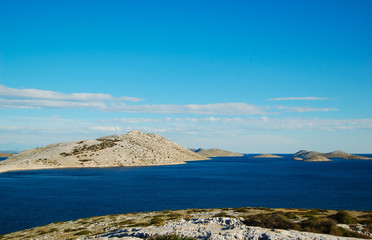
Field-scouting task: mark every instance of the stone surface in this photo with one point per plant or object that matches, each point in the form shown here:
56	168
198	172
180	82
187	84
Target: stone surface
132	149
221	228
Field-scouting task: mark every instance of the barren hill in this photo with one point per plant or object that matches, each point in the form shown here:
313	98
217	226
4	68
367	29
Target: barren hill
132	149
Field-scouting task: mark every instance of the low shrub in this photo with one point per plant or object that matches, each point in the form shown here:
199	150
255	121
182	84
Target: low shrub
222	214
157	221
84	232
242	209
316	225
272	220
174	215
343	217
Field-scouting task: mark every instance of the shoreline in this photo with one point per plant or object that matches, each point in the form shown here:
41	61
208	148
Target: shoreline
98	167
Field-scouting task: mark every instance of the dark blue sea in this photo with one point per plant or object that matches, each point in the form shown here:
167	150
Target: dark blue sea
38	197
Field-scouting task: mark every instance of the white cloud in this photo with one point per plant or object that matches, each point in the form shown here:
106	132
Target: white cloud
249	124
107	129
297	98
34	98
305	109
207	109
14	93
33	103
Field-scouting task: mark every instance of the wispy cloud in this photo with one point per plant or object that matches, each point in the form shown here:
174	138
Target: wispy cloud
115	129
34	98
297	98
213	124
207	109
305	109
15	93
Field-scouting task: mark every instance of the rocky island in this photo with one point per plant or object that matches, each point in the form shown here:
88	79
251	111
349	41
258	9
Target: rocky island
267	155
313	156
215	152
132	149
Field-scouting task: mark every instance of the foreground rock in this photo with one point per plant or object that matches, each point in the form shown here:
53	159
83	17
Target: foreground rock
221	228
215	152
318	156
227	223
131	149
267	155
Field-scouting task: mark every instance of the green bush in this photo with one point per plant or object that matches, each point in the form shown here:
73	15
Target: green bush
290	215
222	214
272	220
327	226
343	217
174	215
242	209
157	221
84	232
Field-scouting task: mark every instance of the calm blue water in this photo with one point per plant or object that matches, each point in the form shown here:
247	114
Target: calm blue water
38	197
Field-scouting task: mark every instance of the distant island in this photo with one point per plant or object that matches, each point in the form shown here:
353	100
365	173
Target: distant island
132	149
313	156
215	152
267	155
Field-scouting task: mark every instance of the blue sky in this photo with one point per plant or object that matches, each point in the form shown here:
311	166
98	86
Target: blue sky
247	76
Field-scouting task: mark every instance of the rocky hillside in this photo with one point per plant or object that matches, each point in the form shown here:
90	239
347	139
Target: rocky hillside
318	156
132	149
215	152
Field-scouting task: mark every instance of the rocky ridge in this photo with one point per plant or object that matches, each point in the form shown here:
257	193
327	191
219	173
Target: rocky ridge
215	152
132	149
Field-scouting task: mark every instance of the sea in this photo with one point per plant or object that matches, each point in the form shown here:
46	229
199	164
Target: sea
38	197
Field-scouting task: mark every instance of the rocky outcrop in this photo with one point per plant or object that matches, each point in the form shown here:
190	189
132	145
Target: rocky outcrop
215	152
267	155
226	223
221	228
318	156
132	149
